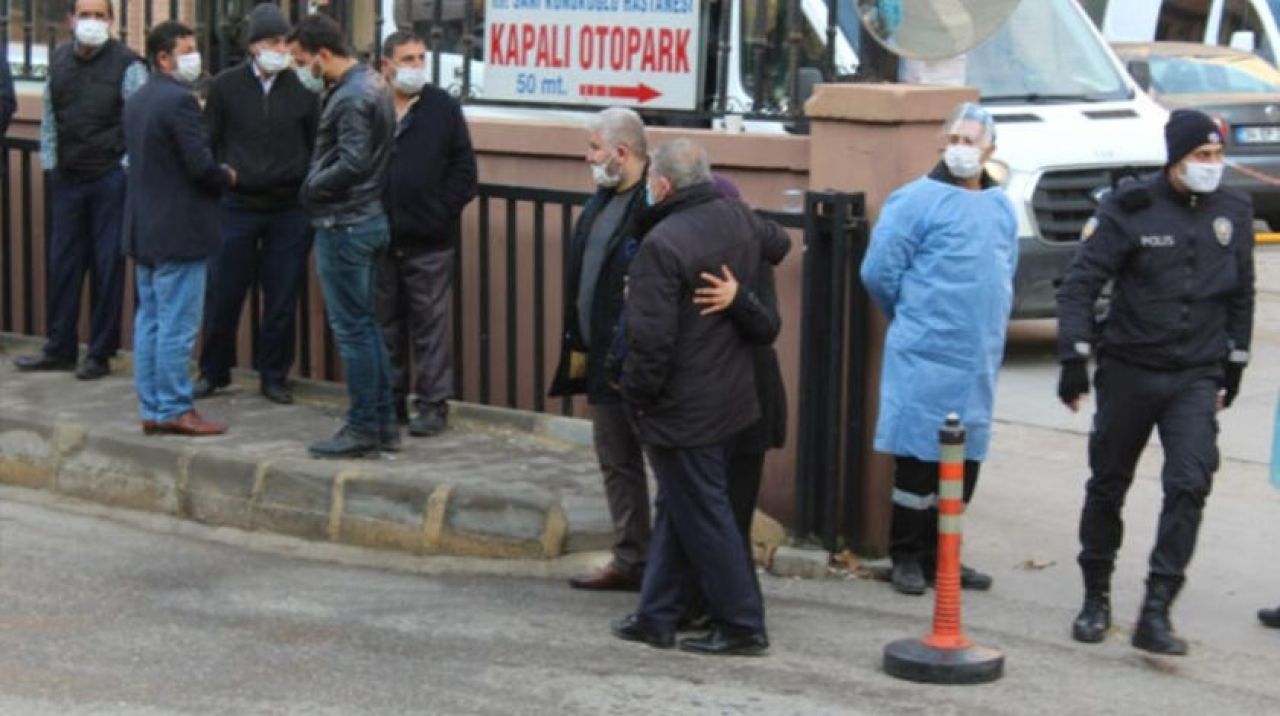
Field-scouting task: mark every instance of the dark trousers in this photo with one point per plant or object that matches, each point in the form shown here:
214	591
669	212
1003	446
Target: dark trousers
272	245
87	220
696	544
413	310
625	485
914	534
1131	402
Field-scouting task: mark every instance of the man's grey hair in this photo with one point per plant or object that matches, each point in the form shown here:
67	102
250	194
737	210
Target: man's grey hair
620	127
683	162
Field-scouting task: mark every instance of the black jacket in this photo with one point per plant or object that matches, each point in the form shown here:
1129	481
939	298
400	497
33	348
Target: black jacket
85	93
689	378
353	147
1183	271
266	137
432	176
606	301
755	313
171	205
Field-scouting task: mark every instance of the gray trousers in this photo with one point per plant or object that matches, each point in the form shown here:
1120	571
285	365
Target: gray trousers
413	310
625	485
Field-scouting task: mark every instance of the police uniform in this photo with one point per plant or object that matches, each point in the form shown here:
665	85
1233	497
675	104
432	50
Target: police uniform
1181	309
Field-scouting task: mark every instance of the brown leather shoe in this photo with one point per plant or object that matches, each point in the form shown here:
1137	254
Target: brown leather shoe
148	427
190	423
606	579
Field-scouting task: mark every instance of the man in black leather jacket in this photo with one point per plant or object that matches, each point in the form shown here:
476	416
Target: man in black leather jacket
343	193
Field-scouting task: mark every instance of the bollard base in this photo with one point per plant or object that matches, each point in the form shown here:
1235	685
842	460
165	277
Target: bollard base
913	660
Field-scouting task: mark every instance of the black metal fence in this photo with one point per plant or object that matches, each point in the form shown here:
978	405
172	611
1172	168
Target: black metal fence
833	371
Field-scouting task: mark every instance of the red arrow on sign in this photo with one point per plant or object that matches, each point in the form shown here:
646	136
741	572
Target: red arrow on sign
641	93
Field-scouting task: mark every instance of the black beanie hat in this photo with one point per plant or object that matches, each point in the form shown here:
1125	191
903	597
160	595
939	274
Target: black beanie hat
266	20
1186	130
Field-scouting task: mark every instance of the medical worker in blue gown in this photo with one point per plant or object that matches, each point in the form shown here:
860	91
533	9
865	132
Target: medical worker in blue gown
940	266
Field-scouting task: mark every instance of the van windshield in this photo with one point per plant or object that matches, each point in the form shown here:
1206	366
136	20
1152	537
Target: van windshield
1045	52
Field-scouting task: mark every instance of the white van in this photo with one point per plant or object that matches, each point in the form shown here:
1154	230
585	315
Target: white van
1248	25
1068	114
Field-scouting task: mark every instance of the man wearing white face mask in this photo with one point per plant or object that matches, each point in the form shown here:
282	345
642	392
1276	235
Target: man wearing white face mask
82	149
1172	350
940	266
170	229
431	179
595	274
262	121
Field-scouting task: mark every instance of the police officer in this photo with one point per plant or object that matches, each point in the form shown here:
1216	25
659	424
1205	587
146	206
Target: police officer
1171	352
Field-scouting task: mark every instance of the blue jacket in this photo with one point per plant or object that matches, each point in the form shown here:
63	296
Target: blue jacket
941	266
171	208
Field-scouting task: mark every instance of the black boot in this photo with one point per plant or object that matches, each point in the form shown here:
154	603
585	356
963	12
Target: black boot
1091	625
1094	619
1154	633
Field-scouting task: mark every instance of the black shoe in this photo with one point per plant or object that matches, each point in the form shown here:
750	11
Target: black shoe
277	392
41	361
1093	621
431	420
1270	617
346	443
389	437
631	628
972	579
1154	632
908	577
723	641
92	368
205	388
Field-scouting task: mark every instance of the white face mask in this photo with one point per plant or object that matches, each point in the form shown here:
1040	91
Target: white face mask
410	80
189	67
963	161
603	177
91	32
272	61
1202	177
309	79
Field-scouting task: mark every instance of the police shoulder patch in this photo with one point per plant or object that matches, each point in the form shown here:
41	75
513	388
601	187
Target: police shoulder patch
1089	227
1222	229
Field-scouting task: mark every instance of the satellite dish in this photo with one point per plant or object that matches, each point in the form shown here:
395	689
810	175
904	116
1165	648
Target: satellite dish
933	29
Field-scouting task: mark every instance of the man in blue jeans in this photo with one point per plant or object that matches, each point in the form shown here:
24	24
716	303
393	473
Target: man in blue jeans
170	228
343	193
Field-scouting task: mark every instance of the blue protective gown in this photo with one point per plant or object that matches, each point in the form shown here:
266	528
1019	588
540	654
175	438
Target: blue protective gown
941	266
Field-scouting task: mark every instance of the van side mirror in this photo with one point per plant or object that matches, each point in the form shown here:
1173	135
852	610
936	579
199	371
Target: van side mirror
1140	71
1244	40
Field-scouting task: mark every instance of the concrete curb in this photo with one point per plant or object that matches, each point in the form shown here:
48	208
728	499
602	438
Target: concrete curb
356	503
380	506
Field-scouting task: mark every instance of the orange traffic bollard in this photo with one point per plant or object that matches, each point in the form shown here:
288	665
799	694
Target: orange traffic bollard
945	655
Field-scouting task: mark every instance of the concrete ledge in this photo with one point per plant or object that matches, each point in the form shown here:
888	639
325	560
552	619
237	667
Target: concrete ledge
27	456
502	521
220	487
296	498
385	512
138	472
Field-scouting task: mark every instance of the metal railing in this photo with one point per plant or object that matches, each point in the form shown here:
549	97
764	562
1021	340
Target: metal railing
833	371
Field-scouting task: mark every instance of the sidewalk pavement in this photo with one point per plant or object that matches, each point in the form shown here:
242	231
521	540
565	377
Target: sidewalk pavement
499	483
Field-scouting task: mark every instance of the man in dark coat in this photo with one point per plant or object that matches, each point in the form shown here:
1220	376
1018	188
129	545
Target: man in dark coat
595	276
8	98
688	380
263	122
82	148
431	179
170	228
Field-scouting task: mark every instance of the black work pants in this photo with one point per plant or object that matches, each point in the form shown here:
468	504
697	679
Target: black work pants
1132	401
914	534
273	246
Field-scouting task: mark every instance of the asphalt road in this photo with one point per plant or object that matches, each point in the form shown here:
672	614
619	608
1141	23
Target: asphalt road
109	612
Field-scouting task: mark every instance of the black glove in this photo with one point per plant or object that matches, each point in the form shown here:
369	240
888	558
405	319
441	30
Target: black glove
1232	372
1074	381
